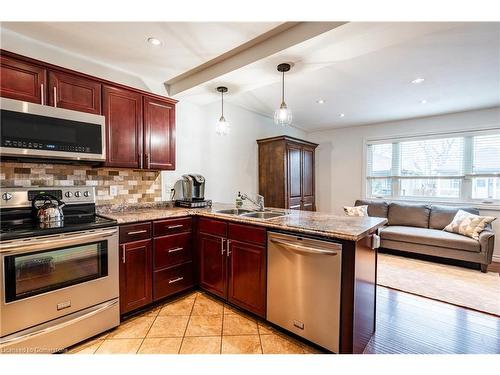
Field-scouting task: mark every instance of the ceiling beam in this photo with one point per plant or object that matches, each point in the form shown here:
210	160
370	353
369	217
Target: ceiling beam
281	37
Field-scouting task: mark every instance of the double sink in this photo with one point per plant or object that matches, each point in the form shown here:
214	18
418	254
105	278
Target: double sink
254	214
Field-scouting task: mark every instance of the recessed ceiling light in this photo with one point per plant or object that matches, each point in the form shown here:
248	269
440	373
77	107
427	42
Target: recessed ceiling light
423	101
416	81
154	41
320	101
341	114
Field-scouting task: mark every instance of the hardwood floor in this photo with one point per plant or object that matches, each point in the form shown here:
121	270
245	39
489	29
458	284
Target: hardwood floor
416	325
494	267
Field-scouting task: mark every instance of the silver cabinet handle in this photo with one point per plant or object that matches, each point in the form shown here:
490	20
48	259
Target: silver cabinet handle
375	241
303	249
138	231
176	280
175	249
175	226
228	252
55	96
123	254
42	94
222	246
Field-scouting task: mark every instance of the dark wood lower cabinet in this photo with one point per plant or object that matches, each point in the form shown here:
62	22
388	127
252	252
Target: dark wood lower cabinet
247	276
212	264
135	275
172	280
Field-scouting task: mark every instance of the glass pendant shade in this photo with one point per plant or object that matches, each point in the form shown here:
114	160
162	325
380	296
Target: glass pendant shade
283	115
223	127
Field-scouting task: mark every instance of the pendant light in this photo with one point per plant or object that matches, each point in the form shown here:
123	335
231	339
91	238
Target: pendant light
223	126
283	115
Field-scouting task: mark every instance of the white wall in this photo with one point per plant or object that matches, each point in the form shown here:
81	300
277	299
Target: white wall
229	163
339	157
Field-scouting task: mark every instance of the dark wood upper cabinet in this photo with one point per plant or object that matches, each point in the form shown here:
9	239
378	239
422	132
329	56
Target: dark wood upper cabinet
73	92
286	172
159	134
22	81
247	276
135	275
212	264
123	112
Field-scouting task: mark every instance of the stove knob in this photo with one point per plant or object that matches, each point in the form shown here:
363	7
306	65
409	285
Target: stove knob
68	194
78	194
86	194
6	196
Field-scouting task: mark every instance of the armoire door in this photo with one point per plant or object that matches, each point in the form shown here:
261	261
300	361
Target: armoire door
308	203
294	181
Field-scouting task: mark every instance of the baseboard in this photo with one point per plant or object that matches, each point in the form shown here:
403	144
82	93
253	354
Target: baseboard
496	258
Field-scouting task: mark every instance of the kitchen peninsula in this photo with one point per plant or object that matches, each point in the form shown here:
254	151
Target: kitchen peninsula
166	250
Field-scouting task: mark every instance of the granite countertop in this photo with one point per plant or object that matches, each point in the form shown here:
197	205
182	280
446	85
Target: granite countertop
314	223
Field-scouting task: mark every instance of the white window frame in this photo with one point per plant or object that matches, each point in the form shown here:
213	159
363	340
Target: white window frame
465	186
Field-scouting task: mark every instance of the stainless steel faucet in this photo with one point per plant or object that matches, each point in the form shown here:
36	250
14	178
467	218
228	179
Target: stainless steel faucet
259	202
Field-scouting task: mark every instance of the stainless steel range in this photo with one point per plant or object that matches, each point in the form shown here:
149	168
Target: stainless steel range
58	280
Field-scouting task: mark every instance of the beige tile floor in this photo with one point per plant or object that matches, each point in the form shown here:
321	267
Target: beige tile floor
193	324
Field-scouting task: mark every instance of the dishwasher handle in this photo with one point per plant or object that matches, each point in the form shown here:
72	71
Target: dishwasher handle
304	249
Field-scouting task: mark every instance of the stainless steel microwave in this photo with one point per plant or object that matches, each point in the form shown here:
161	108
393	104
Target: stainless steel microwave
41	131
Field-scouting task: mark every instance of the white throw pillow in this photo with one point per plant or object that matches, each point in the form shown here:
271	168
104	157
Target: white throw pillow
356	211
468	224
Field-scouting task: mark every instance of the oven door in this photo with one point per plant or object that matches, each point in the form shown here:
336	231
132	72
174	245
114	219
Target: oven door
48	277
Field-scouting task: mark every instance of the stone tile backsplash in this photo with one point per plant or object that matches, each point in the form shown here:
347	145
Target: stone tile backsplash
134	186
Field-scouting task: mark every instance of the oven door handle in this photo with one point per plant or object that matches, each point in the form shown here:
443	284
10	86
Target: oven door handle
54	242
15	338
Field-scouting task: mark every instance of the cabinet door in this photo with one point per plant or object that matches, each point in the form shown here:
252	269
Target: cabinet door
159	134
294	166
212	264
135	275
22	81
123	112
247	276
73	92
308	179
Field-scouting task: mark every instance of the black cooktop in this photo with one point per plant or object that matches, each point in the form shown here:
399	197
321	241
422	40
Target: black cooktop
20	223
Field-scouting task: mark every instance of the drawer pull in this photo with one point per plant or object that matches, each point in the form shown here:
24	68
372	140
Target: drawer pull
175	249
137	232
175	226
175	280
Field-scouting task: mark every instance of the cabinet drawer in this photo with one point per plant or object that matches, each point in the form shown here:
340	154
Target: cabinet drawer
210	226
135	232
172	250
172	280
247	233
170	226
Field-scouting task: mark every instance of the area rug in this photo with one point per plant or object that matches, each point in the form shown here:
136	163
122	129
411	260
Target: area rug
456	285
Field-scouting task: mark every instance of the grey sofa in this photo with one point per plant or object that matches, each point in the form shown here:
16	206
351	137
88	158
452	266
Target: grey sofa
418	228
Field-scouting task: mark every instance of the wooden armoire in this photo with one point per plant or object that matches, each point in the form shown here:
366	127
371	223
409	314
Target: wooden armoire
286	172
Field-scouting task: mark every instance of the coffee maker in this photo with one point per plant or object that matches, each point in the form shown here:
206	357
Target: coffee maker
193	191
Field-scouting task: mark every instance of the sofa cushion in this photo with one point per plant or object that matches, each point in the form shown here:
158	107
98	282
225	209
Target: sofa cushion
412	215
432	237
375	208
356	210
469	224
441	216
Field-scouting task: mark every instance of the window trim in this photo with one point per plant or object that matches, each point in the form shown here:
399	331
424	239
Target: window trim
466	185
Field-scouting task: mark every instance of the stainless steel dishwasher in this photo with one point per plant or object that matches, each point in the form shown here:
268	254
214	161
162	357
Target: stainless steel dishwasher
303	287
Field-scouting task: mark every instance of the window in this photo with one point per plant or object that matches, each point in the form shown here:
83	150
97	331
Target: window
463	167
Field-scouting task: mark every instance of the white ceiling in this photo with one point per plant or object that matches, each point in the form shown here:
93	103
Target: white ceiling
364	70
361	69
123	45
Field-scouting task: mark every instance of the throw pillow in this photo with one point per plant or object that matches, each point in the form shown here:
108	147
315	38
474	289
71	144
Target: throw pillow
356	211
468	224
